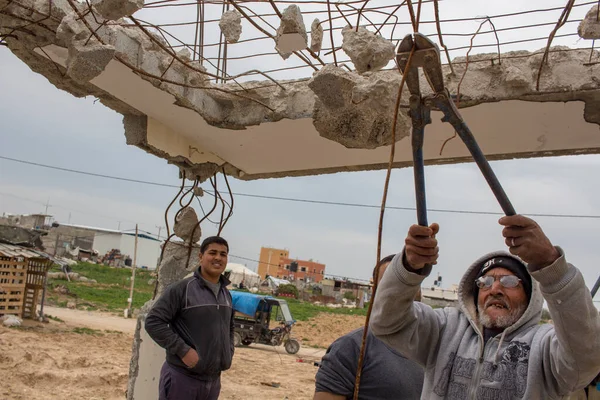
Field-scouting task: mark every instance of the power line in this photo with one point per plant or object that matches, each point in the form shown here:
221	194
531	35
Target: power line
307	201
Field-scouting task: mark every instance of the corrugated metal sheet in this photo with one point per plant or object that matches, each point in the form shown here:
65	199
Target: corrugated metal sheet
11	250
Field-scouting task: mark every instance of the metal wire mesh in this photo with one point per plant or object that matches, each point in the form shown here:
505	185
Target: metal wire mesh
193	25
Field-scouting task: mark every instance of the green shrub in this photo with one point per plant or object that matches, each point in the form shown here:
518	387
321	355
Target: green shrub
288	289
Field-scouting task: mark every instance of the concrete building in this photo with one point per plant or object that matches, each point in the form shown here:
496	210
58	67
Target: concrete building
302	270
67	237
29	221
270	261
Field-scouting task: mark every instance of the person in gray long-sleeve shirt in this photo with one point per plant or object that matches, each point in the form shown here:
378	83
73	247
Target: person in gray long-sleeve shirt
386	373
193	321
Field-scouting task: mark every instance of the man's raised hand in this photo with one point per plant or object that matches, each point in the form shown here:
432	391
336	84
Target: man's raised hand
421	246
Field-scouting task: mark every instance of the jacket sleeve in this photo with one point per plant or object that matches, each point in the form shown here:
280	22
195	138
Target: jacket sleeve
159	321
572	351
412	328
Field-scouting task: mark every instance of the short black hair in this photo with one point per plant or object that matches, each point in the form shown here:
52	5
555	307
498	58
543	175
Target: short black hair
213	239
384	260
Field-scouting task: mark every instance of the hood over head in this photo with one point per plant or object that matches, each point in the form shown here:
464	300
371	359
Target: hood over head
467	292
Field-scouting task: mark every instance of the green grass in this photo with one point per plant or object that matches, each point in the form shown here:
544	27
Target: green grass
53	318
302	311
111	291
86	331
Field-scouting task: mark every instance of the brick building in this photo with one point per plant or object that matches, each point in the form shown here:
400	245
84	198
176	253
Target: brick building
277	263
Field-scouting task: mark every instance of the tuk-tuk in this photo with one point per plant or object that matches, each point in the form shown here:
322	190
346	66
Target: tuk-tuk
253	317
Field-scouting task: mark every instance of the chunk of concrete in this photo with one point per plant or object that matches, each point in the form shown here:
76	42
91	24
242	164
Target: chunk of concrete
231	25
70	28
186	225
368	51
589	27
291	34
316	36
85	62
198	191
114	10
357	111
178	260
517	78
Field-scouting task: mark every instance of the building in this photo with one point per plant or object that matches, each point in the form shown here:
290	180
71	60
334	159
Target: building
68	237
306	271
270	261
29	221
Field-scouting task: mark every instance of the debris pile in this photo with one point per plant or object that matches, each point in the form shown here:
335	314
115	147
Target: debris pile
11	321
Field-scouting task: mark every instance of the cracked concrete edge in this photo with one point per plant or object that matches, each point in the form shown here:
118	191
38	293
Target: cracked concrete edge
135	354
565	78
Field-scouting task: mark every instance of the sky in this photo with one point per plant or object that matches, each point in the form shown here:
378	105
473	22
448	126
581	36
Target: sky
42	124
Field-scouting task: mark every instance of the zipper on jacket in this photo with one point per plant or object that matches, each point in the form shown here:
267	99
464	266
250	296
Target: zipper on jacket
479	363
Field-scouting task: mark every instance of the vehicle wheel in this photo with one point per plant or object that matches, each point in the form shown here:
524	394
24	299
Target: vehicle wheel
237	339
246	342
292	346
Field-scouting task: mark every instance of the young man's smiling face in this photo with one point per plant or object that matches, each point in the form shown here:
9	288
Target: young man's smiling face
498	306
213	261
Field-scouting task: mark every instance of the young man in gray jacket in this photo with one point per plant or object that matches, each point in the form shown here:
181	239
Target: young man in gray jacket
193	322
493	346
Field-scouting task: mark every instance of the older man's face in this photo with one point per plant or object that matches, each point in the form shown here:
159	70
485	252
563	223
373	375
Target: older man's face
498	306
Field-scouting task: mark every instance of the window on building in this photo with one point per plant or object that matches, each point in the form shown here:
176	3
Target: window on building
314	271
287	267
303	269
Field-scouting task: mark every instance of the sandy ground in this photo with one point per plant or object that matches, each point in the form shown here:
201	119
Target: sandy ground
59	360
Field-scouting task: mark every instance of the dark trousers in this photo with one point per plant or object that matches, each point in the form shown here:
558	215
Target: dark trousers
174	385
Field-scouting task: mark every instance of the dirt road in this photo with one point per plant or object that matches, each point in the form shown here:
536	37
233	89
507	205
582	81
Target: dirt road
59	360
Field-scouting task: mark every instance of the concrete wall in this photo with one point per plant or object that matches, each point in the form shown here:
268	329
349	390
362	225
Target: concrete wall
146	362
147	253
106	242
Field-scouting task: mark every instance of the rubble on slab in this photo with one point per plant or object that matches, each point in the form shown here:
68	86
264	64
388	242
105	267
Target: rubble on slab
114	10
186	225
291	34
316	36
231	25
368	51
589	27
357	111
71	28
87	61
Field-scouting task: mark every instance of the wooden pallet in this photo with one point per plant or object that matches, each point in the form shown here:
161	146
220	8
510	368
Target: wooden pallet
13	279
37	269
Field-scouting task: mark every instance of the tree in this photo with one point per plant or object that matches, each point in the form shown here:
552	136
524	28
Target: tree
288	289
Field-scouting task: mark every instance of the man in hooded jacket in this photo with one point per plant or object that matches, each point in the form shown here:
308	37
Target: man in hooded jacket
493	346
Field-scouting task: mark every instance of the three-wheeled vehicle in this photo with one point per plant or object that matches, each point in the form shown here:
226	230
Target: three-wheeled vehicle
254	316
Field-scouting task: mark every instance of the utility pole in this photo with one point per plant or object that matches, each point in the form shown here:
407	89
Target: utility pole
47	205
159	229
56	244
128	312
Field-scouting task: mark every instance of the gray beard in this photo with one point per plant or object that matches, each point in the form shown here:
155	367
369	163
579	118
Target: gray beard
503	321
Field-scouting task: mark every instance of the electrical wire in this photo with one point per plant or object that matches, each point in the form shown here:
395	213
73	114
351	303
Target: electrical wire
296	200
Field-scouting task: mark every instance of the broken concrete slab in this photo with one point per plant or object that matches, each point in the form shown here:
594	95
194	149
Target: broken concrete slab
589	27
178	260
70	29
291	34
186	225
316	36
114	10
87	61
357	111
231	25
368	51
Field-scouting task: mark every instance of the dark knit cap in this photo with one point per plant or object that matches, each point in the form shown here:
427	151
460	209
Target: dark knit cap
511	264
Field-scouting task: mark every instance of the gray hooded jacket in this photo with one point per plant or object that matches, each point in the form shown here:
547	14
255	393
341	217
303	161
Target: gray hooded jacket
528	360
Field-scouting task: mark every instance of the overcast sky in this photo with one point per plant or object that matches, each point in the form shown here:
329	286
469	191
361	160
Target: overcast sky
42	124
